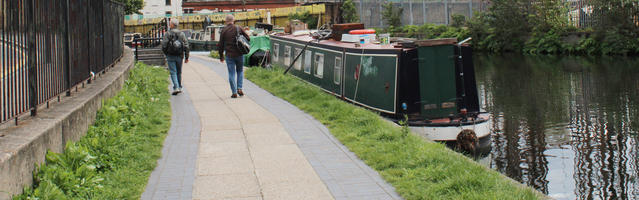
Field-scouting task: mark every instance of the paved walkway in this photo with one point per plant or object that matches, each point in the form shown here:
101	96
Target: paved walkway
261	147
173	177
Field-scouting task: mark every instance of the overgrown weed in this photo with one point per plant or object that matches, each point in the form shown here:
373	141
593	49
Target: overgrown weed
118	153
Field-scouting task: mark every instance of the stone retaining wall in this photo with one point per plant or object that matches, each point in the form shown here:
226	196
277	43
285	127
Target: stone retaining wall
24	147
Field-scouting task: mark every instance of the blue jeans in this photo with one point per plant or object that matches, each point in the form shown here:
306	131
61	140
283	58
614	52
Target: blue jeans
235	66
175	67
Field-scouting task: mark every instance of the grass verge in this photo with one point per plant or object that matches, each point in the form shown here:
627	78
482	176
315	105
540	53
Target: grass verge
118	153
418	169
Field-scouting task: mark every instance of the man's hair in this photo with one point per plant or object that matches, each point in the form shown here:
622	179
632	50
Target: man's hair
229	18
175	22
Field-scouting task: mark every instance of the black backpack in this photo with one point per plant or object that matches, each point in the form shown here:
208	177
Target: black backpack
174	47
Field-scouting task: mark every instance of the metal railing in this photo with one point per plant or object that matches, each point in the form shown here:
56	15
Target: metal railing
418	12
146	43
49	47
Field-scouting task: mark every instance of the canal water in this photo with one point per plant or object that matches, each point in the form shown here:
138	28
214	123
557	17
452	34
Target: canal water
567	126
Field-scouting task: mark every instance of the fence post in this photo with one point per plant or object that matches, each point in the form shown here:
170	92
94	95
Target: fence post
89	38
104	65
32	71
361	15
447	14
381	19
410	6
424	11
470	9
67	64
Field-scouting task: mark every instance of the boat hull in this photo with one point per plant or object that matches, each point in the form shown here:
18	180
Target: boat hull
449	133
199	45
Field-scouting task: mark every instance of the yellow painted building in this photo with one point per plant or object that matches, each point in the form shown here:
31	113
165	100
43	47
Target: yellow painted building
279	17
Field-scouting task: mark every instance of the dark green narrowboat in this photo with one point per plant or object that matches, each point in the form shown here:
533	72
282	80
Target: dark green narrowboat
432	82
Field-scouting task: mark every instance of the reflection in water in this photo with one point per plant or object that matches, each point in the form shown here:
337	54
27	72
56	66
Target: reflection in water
565	126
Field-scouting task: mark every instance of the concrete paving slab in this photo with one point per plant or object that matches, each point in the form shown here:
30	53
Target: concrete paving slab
223	136
291	183
231	163
219	123
269	138
213	149
226	186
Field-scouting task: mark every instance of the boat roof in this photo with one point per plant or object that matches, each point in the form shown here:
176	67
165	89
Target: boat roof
349	45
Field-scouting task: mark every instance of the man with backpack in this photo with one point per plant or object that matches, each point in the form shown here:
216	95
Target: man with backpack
231	40
176	47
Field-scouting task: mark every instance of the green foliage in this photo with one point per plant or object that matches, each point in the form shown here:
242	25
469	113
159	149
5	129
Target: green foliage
404	125
542	27
548	42
118	153
306	17
132	6
431	31
588	45
458	20
418	169
349	12
215	54
549	14
537	27
392	15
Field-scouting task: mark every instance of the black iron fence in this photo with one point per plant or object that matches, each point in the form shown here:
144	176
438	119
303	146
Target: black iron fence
49	47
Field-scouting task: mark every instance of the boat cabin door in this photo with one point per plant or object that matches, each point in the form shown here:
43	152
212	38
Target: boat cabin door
212	33
208	34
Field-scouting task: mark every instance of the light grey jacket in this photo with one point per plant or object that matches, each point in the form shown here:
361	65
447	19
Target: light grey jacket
182	38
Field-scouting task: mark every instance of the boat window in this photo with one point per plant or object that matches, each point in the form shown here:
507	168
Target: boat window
298	63
276	52
319	65
307	61
287	56
337	77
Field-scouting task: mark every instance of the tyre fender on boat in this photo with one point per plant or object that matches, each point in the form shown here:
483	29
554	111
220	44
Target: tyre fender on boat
467	141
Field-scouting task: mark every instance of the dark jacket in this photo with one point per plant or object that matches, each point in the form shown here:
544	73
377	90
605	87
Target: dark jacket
182	38
227	41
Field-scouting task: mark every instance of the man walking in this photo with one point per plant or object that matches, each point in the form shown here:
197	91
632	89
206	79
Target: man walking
176	47
234	58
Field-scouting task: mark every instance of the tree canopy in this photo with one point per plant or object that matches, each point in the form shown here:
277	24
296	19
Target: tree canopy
392	15
349	12
132	6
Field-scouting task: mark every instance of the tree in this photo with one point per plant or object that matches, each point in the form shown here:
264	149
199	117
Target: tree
392	15
616	25
458	20
349	12
306	17
550	14
510	24
132	6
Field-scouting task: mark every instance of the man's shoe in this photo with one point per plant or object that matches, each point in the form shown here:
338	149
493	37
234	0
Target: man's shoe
240	92
179	90
234	96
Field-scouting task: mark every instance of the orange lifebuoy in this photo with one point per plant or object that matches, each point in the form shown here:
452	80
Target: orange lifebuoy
362	31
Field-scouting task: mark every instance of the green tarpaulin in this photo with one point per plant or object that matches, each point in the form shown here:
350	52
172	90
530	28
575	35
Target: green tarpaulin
258	43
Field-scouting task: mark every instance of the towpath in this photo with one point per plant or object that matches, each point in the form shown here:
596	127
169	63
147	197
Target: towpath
253	147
